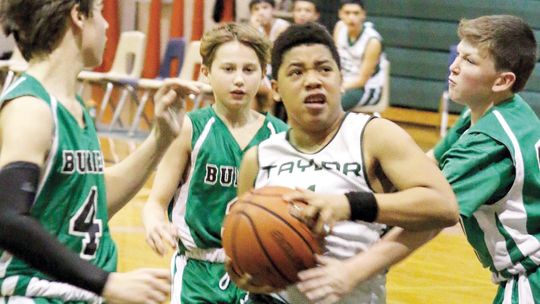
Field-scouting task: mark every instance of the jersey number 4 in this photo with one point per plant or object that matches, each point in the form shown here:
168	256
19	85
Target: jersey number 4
84	224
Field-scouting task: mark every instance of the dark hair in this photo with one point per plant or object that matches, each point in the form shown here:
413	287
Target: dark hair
253	2
38	25
507	39
359	2
243	33
300	34
314	2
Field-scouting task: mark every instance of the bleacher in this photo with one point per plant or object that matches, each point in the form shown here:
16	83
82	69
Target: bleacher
417	35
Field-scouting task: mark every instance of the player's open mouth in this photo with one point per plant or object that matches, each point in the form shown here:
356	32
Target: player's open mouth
315	99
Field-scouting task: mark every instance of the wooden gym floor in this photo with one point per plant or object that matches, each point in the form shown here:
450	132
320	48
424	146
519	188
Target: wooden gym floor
443	271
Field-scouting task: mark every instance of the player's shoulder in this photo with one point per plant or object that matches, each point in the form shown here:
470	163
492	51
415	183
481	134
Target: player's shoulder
277	123
201	114
27	107
381	132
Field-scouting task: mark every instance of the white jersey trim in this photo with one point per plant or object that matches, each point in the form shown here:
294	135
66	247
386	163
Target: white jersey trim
54	147
507	210
180	204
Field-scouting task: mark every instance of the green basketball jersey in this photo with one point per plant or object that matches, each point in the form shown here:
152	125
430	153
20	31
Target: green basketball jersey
70	201
200	204
494	169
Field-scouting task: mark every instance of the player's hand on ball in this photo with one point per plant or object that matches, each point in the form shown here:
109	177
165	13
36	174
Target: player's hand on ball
244	281
327	283
170	108
322	210
161	236
142	286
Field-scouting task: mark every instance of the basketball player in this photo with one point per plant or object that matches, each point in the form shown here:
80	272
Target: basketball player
305	11
366	162
204	161
55	195
361	51
262	18
491	156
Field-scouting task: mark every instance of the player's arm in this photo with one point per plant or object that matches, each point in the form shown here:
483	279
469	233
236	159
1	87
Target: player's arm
451	137
26	129
249	169
424	198
368	65
337	28
160	233
126	178
333	279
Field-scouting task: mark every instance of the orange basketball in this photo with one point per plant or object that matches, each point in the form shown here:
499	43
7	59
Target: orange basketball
263	239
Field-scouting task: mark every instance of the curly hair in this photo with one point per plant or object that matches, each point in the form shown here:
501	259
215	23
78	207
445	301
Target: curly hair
299	34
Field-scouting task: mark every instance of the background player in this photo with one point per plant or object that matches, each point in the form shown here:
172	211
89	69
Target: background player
329	151
204	161
361	51
305	11
491	156
55	196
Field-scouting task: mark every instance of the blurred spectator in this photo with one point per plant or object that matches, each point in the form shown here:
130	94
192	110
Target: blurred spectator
360	49
305	11
262	18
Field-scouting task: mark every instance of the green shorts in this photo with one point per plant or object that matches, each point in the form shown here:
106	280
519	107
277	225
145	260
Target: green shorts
520	289
197	281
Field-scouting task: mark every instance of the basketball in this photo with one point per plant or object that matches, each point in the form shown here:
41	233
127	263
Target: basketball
263	239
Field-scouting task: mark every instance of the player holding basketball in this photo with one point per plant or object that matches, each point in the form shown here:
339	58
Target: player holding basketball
385	176
204	161
496	144
55	195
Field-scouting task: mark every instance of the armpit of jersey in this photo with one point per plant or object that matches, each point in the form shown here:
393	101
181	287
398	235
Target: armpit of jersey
480	171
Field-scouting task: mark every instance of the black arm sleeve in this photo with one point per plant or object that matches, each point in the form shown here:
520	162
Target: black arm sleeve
24	237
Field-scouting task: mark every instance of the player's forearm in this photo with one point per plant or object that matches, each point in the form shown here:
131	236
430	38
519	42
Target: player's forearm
417	208
395	246
124	180
24	237
153	212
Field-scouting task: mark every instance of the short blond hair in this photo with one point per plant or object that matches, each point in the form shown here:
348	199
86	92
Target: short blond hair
507	39
242	33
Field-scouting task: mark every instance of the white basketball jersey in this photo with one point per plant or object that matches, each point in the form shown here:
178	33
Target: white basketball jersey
336	168
351	55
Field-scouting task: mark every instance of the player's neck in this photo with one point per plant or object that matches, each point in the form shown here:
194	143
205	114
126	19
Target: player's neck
354	34
268	27
480	108
57	72
233	117
309	141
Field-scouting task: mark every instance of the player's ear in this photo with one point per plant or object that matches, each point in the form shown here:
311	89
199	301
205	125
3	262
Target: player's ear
275	90
504	82
76	16
205	70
